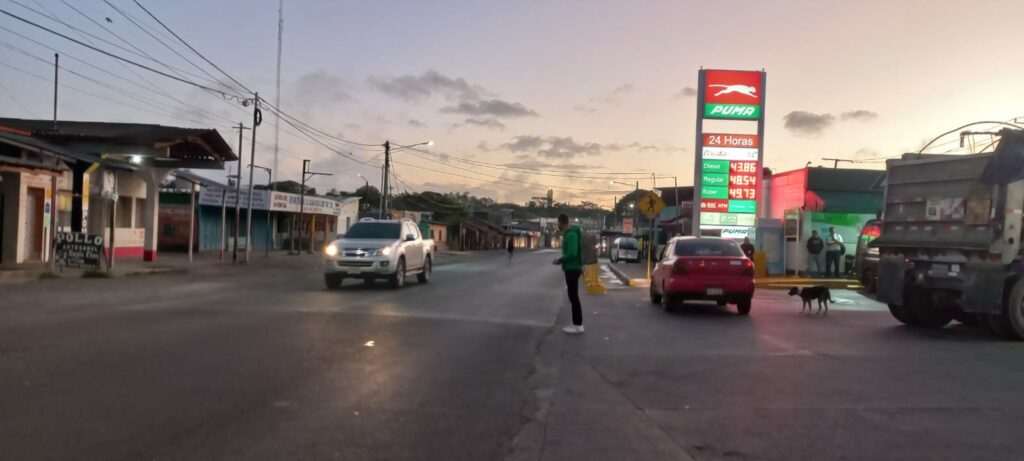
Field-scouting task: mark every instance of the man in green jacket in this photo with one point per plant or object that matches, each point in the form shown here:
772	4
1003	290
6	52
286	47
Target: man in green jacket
572	265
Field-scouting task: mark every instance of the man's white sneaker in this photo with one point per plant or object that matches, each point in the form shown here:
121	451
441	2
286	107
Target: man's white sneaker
573	329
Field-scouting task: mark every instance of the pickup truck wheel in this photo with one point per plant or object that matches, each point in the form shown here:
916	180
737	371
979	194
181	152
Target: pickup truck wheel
902	314
424	277
999	325
332	280
398	278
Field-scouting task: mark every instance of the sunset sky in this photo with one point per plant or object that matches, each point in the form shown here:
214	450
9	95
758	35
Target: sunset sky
589	86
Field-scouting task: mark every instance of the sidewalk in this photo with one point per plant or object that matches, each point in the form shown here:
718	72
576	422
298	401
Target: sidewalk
635	274
177	263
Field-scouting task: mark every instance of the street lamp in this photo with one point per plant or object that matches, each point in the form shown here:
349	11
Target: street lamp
636	195
366	190
248	232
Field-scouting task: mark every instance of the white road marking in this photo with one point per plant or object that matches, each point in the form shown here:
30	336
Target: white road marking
369	344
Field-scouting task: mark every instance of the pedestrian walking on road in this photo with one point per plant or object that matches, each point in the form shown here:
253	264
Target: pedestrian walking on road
511	248
815	245
572	265
833	250
748	248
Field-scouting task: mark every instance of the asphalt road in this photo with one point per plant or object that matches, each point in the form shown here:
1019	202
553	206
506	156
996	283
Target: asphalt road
265	363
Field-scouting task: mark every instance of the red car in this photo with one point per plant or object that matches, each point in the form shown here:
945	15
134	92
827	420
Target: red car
704	268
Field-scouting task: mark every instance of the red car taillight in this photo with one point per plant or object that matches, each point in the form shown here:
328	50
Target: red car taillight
679	267
748	268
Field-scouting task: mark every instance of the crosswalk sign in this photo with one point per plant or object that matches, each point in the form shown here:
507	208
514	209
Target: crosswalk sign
650	204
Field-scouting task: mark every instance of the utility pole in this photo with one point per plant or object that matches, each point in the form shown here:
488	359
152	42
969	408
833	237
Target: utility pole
270	178
380	199
387	171
238	193
835	161
56	75
257	118
277	96
302	202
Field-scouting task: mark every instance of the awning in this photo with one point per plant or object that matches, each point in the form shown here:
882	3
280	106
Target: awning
843	202
30	143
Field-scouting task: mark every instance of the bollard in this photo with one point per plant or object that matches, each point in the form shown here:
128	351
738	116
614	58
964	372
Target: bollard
592	279
760	265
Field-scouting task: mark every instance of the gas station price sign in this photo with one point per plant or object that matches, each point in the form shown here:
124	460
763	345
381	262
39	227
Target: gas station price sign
729	175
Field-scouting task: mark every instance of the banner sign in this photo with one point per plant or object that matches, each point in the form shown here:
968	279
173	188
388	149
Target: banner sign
72	249
267	200
727	172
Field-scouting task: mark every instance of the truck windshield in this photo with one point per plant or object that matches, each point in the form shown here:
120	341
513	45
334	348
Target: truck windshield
628	244
374	230
708	247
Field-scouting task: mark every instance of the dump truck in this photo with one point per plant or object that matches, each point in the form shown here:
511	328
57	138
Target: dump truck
950	246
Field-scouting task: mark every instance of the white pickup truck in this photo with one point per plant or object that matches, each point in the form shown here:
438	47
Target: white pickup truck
373	249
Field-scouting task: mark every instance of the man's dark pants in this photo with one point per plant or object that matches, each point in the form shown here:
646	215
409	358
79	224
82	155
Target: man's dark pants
832	258
572	284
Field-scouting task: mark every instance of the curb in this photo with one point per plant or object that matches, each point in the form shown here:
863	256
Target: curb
625	278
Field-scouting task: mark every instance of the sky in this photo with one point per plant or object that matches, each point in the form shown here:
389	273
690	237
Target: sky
598	88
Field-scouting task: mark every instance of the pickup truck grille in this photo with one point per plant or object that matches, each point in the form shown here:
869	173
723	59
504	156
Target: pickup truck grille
355	263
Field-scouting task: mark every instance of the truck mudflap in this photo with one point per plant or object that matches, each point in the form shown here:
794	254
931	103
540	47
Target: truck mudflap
983	288
891	271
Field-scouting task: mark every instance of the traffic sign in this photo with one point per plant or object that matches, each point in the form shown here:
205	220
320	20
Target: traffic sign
650	204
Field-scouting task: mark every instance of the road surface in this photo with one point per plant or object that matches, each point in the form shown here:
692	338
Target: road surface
263	362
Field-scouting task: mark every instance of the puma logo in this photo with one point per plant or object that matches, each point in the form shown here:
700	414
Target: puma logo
741	89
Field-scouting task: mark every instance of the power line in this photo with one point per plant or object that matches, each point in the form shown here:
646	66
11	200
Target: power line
120	58
158	40
85	33
186	44
539	172
10	94
510	181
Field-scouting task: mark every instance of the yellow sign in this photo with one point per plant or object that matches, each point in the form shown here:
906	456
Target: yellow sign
650	205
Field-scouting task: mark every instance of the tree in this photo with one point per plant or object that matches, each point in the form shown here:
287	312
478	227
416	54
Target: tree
370	197
290	187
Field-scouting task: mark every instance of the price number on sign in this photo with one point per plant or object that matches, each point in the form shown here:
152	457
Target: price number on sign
742	193
743	167
742	180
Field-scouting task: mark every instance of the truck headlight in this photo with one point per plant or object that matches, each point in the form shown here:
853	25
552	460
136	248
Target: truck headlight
331	250
384	251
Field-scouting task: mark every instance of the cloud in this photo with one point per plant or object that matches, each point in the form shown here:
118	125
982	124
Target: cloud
860	115
685	92
314	90
623	89
416	123
585	109
807	123
354	126
564	148
525	162
413	88
484	146
611	98
490	123
491	107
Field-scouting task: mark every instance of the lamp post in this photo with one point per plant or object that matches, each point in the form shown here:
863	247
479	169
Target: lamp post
270	180
366	189
636	195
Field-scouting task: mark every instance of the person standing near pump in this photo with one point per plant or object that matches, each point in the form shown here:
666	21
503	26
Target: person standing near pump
572	265
833	250
748	248
511	248
814	247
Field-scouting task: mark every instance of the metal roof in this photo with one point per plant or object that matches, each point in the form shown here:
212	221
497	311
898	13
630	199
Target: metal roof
41	146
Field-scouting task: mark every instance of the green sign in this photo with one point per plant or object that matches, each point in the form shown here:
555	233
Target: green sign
740	111
714	179
742	206
715	166
715	192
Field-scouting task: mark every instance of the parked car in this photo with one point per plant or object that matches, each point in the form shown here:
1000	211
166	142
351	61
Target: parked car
625	249
373	249
703	268
866	264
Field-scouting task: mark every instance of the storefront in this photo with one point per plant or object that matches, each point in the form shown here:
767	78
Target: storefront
817	199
